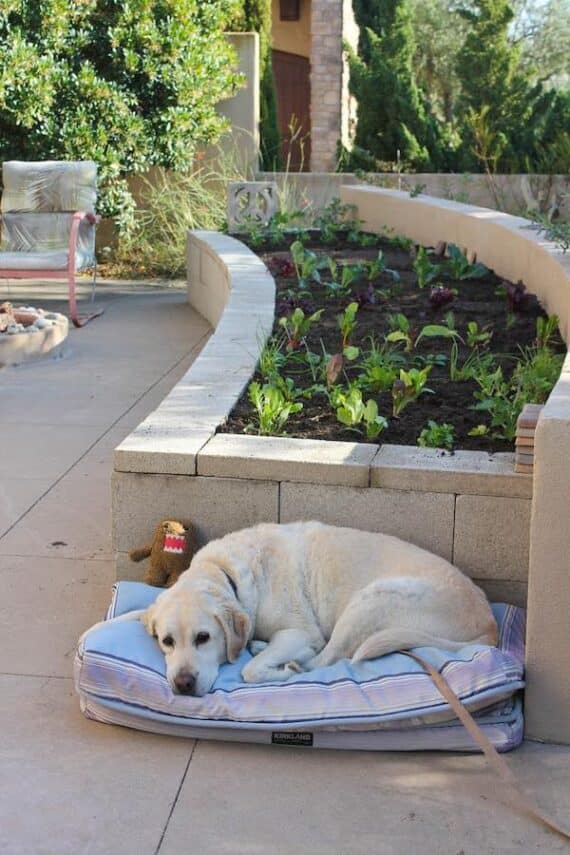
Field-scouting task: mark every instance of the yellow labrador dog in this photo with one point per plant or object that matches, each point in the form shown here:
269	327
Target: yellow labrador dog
304	595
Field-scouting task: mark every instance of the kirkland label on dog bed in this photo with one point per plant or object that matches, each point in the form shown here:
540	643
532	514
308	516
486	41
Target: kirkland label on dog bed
292	737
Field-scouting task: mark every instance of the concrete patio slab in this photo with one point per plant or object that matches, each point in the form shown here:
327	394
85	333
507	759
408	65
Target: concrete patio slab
16	496
72	787
256	799
49	601
73	516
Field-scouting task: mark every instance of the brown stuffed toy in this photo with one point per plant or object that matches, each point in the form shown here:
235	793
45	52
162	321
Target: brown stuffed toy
170	553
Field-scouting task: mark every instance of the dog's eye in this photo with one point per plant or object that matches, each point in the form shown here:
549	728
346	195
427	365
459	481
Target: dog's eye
168	641
202	638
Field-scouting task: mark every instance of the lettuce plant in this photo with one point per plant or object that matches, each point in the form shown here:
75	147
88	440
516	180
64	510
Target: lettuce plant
271	407
426	272
347	322
297	325
437	435
458	267
353	412
410	385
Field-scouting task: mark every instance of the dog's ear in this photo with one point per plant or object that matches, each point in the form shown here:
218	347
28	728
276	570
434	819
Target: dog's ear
236	626
148	620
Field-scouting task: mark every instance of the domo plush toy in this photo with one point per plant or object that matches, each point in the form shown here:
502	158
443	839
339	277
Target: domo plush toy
170	553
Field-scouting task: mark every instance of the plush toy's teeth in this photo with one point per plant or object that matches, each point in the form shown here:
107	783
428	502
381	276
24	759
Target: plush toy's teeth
175	543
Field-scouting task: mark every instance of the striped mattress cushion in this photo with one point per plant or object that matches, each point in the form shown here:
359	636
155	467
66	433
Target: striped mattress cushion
119	667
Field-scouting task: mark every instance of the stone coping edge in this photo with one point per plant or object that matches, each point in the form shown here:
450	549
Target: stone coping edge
232	288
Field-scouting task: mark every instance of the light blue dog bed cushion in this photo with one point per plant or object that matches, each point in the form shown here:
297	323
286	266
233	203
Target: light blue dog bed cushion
388	703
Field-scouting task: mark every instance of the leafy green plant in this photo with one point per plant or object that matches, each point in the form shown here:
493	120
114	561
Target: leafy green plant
458	267
425	271
307	264
437	435
402	332
545	330
271	359
477	363
347	322
342	275
377	266
297	325
379	368
336	219
272	408
410	385
352	412
477	336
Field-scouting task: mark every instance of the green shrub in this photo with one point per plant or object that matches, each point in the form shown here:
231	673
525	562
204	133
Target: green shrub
128	84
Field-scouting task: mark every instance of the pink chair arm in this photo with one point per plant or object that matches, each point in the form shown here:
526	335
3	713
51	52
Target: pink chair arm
76	220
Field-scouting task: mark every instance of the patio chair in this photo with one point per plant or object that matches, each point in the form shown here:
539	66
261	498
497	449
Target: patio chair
48	224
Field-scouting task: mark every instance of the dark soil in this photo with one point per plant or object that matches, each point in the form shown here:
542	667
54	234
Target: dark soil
451	402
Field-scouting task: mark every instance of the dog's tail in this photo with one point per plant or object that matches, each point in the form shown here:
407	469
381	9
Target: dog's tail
390	640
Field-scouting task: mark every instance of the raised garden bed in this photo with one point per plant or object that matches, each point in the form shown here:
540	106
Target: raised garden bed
412	316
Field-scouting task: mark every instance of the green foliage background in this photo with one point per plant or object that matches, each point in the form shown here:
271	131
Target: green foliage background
463	85
127	84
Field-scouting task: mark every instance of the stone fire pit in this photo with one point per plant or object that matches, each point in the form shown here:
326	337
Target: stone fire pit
28	333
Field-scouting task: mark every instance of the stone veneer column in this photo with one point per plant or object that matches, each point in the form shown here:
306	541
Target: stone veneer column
328	81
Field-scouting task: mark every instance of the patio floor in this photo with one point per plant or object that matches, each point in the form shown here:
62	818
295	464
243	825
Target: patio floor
72	786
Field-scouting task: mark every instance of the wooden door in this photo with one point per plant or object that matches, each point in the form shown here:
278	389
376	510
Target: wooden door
293	90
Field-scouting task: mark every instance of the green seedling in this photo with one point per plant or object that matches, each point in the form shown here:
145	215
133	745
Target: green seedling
343	275
271	360
400	331
426	272
378	266
436	331
437	435
307	265
297	325
545	330
352	412
410	385
458	267
477	336
347	323
476	364
271	407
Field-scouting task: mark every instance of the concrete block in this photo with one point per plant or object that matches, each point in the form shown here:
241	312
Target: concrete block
504	591
285	459
406	467
163	453
492	537
215	506
425	519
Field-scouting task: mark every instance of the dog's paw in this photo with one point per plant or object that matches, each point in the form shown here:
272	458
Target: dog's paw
256	647
293	668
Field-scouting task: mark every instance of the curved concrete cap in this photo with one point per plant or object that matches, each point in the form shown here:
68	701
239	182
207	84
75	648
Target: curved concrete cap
232	288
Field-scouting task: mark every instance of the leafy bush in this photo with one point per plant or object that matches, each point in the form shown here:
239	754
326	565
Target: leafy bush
129	85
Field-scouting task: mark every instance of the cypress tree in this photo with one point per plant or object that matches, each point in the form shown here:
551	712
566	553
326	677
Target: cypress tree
497	100
391	114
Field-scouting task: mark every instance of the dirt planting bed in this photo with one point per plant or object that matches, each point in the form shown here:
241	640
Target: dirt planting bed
328	375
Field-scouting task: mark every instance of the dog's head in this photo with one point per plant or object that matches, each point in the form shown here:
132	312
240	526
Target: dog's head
198	627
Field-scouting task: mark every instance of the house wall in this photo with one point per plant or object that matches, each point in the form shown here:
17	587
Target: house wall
292	36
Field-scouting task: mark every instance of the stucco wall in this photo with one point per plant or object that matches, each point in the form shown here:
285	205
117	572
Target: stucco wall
292	36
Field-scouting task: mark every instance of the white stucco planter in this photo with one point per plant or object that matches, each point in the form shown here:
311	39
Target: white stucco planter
469	507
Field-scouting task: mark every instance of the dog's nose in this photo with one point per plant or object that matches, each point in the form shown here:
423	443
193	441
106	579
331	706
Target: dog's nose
185	683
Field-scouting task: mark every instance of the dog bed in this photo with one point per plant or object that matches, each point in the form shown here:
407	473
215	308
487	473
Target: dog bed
385	704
